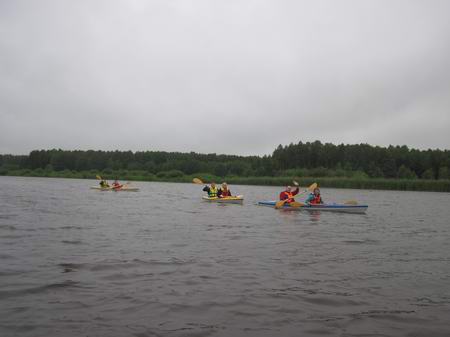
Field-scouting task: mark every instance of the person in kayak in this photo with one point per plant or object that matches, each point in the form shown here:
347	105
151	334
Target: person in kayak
104	184
224	191
314	198
288	194
211	190
116	184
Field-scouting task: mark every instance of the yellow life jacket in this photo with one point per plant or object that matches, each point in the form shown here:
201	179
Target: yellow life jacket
212	192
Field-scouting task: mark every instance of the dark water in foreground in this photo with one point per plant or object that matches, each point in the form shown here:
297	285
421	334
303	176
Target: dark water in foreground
160	262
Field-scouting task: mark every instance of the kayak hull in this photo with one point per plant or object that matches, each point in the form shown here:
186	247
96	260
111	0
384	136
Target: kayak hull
227	200
122	189
342	208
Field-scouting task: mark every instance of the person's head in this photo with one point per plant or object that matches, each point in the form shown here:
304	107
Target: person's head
224	186
288	188
213	184
316	191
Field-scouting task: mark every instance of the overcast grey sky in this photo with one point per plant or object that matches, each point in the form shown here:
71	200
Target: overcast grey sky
236	77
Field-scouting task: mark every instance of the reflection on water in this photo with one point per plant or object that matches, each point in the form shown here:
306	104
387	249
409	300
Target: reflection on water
314	216
160	262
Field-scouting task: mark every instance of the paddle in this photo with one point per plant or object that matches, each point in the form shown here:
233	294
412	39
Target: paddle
294	204
197	181
281	203
101	179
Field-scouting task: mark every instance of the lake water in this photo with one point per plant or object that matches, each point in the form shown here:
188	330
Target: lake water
160	262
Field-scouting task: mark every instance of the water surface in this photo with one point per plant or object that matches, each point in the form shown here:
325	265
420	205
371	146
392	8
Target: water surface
160	262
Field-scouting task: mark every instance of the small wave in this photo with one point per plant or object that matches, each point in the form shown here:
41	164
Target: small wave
7	216
36	290
6	257
70	267
249	313
107	265
180	244
361	242
171	261
120	264
127	276
71	227
187	329
14	236
425	301
74	242
12	272
8	227
332	302
208	277
392	315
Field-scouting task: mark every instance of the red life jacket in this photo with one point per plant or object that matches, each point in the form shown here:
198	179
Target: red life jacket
226	193
317	200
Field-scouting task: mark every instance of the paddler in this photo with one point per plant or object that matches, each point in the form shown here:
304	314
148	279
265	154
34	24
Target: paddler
314	198
104	183
211	190
288	194
116	184
224	191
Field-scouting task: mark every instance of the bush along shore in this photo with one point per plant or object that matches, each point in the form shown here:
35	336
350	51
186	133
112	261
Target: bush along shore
341	166
357	181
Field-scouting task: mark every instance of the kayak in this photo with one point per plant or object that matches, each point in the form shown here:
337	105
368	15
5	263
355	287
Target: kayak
230	200
344	208
123	188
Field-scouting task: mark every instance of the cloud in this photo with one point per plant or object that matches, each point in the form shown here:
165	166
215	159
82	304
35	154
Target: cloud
228	77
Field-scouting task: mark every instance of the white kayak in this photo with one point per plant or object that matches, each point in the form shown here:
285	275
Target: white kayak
229	200
344	208
123	188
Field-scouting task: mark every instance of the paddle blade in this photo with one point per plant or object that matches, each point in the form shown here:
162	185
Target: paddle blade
280	203
98	177
351	202
295	182
197	181
296	204
312	187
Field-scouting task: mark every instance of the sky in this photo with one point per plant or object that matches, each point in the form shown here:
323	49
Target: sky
214	76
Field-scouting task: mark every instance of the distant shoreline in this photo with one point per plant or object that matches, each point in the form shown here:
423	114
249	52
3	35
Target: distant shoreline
331	182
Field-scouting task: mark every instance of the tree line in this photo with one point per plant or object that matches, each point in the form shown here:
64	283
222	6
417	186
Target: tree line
314	159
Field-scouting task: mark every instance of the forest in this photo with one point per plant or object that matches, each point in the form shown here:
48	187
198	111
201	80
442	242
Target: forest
309	159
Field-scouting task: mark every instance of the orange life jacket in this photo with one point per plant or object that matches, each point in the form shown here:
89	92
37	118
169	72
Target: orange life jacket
285	195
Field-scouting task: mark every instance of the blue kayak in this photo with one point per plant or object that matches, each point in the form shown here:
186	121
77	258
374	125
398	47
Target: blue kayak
322	207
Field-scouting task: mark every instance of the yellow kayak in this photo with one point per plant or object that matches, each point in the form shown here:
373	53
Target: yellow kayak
124	188
231	200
